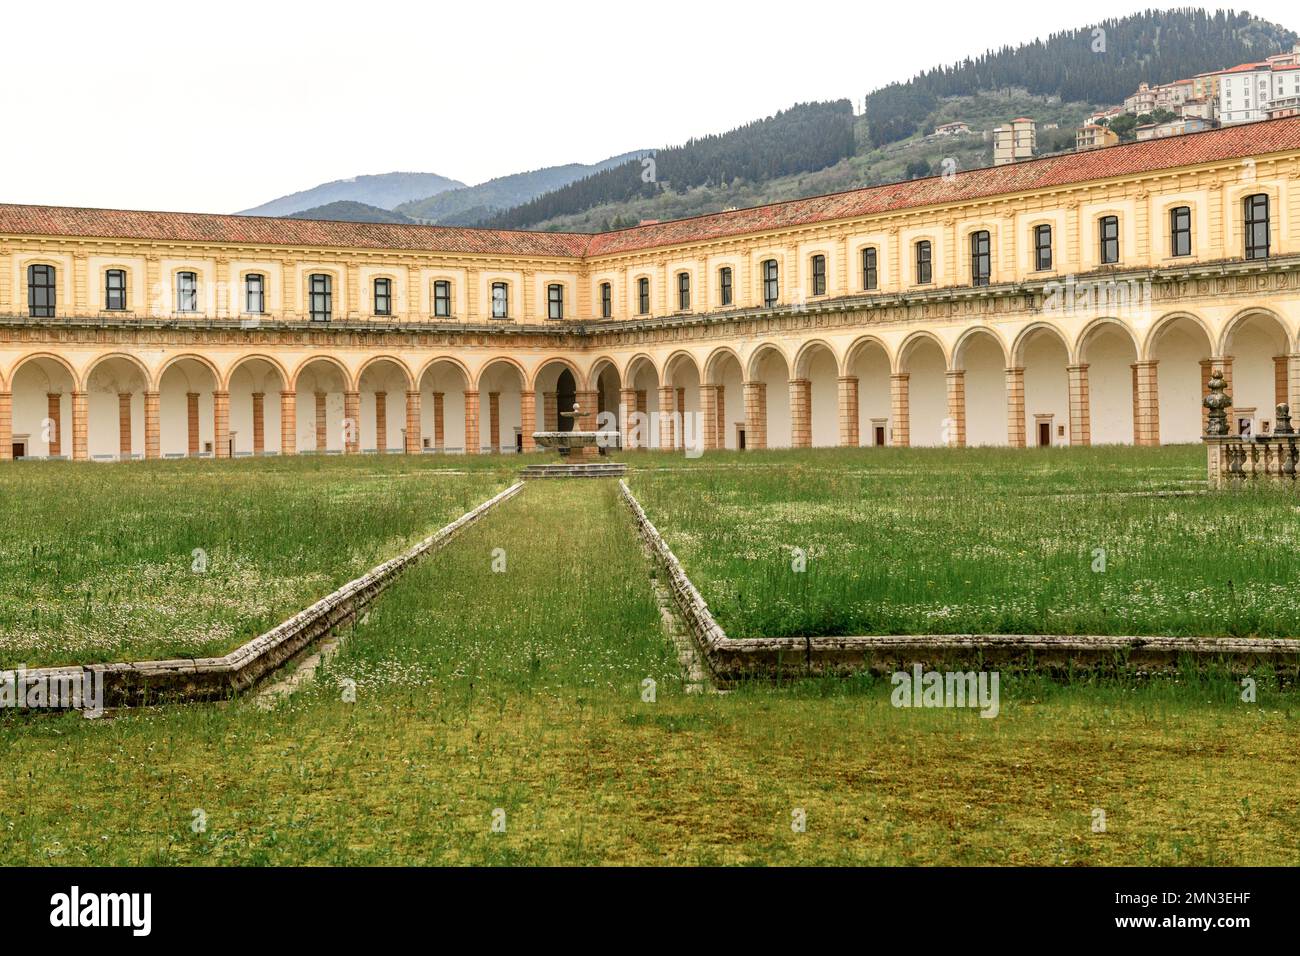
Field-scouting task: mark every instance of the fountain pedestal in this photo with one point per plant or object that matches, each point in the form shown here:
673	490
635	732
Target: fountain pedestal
583	449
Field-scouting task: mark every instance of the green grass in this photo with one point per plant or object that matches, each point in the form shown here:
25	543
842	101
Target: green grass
107	562
980	540
478	690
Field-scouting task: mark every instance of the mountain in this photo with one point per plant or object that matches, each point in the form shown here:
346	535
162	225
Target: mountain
471	205
1101	63
386	190
1057	82
805	137
348	211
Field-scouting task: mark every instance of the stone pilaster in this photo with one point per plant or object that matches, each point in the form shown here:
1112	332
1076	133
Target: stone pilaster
472	438
259	423
152	425
439	423
588	402
709	416
528	420
956	408
54	416
755	415
6	426
221	424
626	409
679	431
850	433
550	412
80	426
191	423
901	409
721	440
494	421
322	434
800	413
412	443
288	422
1016	407
667	397
381	422
351	423
1080	405
1147	393
124	425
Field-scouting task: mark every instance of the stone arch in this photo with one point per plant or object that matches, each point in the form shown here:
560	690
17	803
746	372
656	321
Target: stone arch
861	343
770	367
724	370
977	333
760	354
449	360
642	378
1033	330
41	386
115	384
1244	316
270	360
802	357
1041	353
682	416
914	341
1099	325
546	364
257	384
390	359
383	382
607	382
1161	324
202	360
869	363
442	383
980	357
186	387
1109	349
325	423
1180	348
924	360
348	383
1253	353
633	367
817	364
501	397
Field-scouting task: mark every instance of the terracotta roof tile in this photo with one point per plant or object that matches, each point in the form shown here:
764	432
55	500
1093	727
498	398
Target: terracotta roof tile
1247	139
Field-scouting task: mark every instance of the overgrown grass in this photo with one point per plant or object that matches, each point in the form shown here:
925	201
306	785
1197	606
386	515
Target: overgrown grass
1055	541
189	558
521	690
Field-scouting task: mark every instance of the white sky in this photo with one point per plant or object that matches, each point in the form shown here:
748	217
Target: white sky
217	107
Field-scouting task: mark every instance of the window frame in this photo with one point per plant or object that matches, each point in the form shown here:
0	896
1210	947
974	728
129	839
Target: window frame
981	258
1252	225
606	300
643	296
382	301
442	298
818	274
726	287
1108	252
320	296
250	292
110	291
500	303
1043	252
870	269
683	291
923	261
771	276
48	290
1177	231
555	301
187	300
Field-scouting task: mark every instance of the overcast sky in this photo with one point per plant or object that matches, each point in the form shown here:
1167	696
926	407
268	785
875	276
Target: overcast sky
218	107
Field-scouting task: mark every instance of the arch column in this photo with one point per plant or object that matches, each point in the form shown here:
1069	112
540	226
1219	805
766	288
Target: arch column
80	426
550	412
494	422
667	399
381	422
351	423
6	426
900	405
709	415
152	425
1016	407
800	413
627	406
1293	379
413	437
956	379
288	422
259	423
1146	395
54	412
527	420
439	423
755	415
124	425
850	431
221	424
472	438
1080	410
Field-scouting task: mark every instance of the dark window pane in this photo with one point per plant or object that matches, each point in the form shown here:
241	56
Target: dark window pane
870	277
41	297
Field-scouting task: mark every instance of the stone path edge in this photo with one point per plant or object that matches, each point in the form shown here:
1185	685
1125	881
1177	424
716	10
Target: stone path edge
138	683
733	660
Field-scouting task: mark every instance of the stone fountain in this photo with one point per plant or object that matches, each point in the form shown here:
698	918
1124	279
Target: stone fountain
582	448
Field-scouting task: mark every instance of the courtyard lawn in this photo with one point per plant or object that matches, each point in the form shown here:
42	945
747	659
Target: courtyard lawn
521	690
107	562
1053	541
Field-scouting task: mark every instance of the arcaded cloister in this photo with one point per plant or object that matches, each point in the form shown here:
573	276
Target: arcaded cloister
1068	300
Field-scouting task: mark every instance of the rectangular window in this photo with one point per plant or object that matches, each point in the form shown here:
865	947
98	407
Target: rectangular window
321	288
41	299
1180	231
870	276
683	291
1257	226
555	301
924	262
383	297
254	294
724	284
606	300
187	292
981	258
771	283
1109	235
500	300
643	296
115	290
442	299
818	275
1042	248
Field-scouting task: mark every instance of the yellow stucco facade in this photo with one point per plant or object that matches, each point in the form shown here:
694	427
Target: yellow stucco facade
1155	275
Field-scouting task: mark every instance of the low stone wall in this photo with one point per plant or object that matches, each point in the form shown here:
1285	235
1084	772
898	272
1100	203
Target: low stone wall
766	658
211	678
